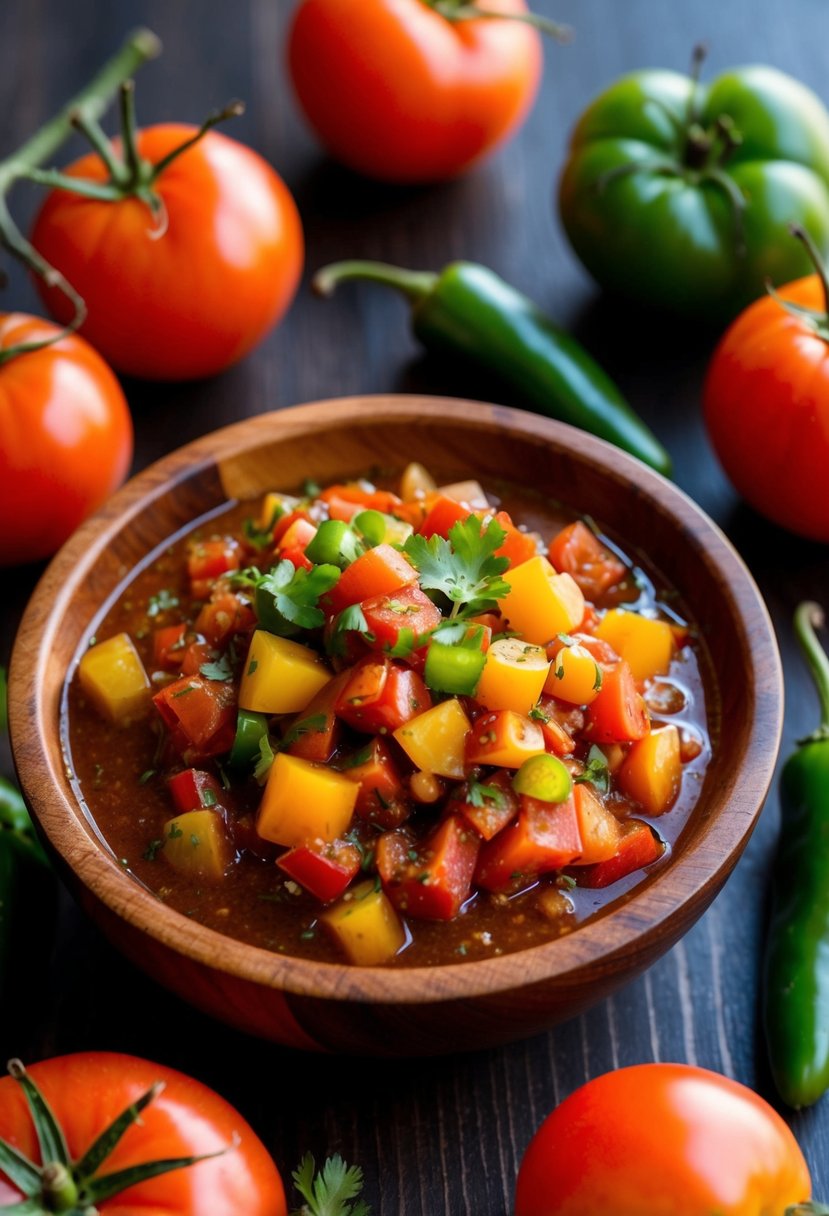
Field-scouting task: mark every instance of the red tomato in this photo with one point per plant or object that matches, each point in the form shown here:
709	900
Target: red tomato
88	1091
401	93
767	410
660	1138
191	297
65	438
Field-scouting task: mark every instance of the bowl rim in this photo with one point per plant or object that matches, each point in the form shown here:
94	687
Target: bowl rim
61	819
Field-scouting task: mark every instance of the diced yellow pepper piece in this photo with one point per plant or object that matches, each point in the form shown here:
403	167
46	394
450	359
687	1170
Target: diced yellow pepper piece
514	675
113	677
645	643
280	676
575	676
599	828
434	741
397	530
365	925
304	801
540	602
197	843
652	772
274	506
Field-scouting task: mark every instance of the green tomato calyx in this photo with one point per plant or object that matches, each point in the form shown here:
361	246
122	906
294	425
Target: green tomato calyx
817	320
470	10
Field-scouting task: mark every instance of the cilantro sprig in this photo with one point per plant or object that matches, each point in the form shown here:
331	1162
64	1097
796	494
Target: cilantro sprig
285	599
464	568
596	770
331	1191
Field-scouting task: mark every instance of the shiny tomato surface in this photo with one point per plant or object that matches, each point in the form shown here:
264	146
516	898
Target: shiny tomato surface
191	291
400	93
87	1091
767	409
662	1140
65	438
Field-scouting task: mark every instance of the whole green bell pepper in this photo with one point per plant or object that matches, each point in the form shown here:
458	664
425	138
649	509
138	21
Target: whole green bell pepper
680	194
796	977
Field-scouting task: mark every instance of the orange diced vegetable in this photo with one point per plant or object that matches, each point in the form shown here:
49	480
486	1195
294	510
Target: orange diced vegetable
435	741
304	801
365	925
578	551
544	837
645	643
575	676
540	602
434	884
379	571
513	675
639	846
503	738
652	772
618	714
599	828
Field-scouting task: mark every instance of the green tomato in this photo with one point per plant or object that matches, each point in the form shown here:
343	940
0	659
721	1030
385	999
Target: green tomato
680	195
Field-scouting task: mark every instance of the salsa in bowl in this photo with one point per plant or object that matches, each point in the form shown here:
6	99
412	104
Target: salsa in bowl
599	770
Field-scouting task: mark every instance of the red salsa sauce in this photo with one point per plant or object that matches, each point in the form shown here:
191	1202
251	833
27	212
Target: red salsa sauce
391	728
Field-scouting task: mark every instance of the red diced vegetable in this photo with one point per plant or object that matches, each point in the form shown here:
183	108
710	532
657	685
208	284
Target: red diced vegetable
193	788
432	881
297	558
208	559
361	498
286	521
518	546
579	552
168	647
559	725
201	715
639	846
442	515
224	616
544	837
380	571
300	533
407	609
618	714
382	798
381	696
325	868
315	733
487	805
194	655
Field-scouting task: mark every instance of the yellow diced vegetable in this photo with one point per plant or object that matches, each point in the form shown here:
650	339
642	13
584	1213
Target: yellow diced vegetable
506	739
469	492
540	602
645	643
575	676
304	801
197	843
274	506
365	925
113	677
514	675
416	482
434	741
397	530
652	772
599	828
280	676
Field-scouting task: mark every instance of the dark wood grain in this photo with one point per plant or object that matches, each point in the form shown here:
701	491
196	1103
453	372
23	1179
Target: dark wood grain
443	1136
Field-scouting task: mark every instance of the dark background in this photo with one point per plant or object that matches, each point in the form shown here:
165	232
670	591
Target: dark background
444	1135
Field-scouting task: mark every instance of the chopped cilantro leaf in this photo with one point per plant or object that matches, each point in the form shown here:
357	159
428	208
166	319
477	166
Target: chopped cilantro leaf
175	831
262	538
220	670
266	758
252	666
464	567
162	602
596	770
480	795
404	645
539	715
286	598
208	797
151	850
143	779
316	722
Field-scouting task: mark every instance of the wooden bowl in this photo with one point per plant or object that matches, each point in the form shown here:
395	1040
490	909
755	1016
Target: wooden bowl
404	1011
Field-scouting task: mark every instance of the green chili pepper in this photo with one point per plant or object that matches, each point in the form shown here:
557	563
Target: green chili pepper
334	544
455	669
468	310
543	777
250	729
796	981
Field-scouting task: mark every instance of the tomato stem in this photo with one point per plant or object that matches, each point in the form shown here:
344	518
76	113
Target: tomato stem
81	112
817	261
814	318
232	110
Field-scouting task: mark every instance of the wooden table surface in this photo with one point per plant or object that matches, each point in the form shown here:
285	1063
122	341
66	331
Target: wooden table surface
442	1135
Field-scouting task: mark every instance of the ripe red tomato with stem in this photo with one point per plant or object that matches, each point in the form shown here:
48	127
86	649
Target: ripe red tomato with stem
105	1113
65	436
186	246
415	90
766	402
659	1138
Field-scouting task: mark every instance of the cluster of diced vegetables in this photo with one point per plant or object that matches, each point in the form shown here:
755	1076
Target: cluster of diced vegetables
427	694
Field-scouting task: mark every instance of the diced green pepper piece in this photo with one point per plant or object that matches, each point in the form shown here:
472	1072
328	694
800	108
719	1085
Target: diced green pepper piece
454	669
250	727
334	544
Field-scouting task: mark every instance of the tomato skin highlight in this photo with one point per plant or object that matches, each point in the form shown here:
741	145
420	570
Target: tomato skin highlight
766	406
659	1139
89	1089
399	93
192	301
65	438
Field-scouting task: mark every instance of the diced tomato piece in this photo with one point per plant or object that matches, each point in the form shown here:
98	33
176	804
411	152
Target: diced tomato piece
563	723
597	648
495	624
363	499
442	516
382	797
325	868
379	571
639	846
345	647
287	521
504	738
579	552
321	739
518	546
488	805
434	885
168	647
297	558
193	788
194	654
201	715
299	534
208	559
224	616
381	696
408	608
619	713
544	837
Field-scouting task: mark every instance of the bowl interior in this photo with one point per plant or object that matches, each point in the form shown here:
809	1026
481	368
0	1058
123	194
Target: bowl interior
332	440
